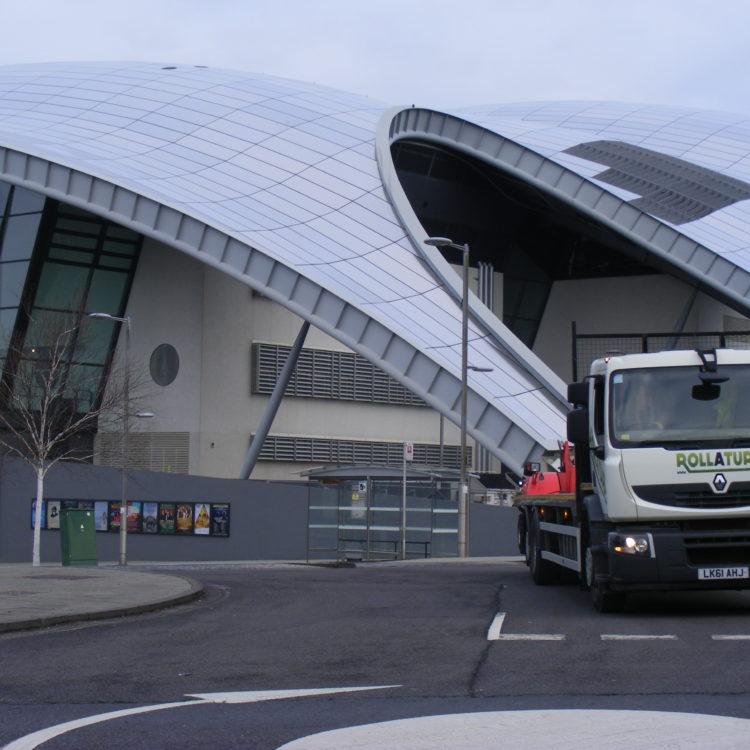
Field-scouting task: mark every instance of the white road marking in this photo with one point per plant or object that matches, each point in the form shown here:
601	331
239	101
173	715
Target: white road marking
31	741
494	634
567	729
731	637
623	637
497	625
531	637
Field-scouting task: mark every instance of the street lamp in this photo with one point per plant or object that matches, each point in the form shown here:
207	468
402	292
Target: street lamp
125	432
462	480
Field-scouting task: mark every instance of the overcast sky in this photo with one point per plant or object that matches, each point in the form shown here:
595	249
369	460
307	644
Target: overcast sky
437	53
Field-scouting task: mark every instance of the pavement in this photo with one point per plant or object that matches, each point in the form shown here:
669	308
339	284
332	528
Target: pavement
37	597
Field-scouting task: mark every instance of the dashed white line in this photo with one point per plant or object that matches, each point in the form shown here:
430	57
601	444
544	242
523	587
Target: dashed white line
494	634
637	637
738	637
531	637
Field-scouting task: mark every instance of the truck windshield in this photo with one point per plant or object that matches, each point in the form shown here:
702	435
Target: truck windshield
670	407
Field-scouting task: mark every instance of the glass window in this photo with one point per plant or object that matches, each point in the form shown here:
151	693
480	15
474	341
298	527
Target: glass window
83	385
107	291
61	287
73	256
669	406
74	240
7	321
4	193
20	236
12	280
25	201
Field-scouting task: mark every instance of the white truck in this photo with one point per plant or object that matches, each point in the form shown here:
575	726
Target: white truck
661	497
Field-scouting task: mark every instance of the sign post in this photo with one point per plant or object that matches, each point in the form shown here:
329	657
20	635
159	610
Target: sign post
408	456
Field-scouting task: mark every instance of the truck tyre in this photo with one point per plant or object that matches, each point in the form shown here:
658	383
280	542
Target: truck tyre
543	572
586	575
604	599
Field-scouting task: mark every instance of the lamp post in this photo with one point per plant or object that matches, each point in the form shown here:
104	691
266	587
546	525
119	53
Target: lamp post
462	479
123	559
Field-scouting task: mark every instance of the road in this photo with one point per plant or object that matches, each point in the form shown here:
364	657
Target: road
415	640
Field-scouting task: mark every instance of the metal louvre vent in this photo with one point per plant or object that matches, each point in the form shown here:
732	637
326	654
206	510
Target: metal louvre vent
670	188
321	373
308	449
149	451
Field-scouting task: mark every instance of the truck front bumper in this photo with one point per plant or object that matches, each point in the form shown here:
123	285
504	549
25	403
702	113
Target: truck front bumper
676	559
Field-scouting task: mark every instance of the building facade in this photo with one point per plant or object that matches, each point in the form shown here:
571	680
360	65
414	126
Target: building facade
219	210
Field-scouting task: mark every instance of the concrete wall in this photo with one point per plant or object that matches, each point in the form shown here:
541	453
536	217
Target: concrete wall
268	519
212	321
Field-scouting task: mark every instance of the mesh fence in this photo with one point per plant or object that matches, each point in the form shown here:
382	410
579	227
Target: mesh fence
588	347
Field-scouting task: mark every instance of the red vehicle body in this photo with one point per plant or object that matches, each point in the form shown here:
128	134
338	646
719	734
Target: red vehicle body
562	481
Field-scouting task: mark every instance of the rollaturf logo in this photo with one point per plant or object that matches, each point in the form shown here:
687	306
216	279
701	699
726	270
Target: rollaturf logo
720	483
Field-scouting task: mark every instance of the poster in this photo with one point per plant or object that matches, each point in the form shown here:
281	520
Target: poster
53	514
150	518
134	517
166	518
44	514
202	518
101	515
184	518
219	519
114	516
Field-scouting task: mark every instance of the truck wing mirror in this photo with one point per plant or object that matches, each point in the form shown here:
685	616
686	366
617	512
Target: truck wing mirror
578	393
578	426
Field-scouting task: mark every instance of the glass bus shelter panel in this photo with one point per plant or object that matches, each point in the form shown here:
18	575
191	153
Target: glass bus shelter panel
362	519
322	521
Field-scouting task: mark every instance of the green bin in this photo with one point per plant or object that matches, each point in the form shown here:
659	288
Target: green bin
77	537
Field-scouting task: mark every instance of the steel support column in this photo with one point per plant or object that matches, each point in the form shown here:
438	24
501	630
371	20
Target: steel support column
273	403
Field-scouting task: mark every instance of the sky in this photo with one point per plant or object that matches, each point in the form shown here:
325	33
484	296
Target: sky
432	53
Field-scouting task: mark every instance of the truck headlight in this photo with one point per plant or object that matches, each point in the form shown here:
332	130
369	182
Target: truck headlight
632	544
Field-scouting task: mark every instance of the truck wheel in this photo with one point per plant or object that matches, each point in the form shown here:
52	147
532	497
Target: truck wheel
587	566
543	572
603	598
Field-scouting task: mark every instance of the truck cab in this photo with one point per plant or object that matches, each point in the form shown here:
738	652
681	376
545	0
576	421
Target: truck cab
663	450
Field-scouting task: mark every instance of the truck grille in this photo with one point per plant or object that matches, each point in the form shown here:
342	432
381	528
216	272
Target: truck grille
720	550
699	495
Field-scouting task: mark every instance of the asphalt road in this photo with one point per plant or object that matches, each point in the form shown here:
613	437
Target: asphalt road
418	630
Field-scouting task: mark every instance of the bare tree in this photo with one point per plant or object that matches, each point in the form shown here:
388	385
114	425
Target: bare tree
49	398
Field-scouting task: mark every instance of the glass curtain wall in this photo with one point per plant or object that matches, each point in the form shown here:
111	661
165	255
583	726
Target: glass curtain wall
57	264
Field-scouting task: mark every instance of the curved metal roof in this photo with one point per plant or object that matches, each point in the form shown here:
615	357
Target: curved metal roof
289	188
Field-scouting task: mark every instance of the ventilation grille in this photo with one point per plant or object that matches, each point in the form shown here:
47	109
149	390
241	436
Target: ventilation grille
321	373
670	188
149	451
321	450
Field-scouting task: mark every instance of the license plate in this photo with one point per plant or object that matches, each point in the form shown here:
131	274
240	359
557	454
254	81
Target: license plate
720	574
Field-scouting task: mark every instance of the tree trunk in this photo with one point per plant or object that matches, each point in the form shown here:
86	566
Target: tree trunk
35	556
